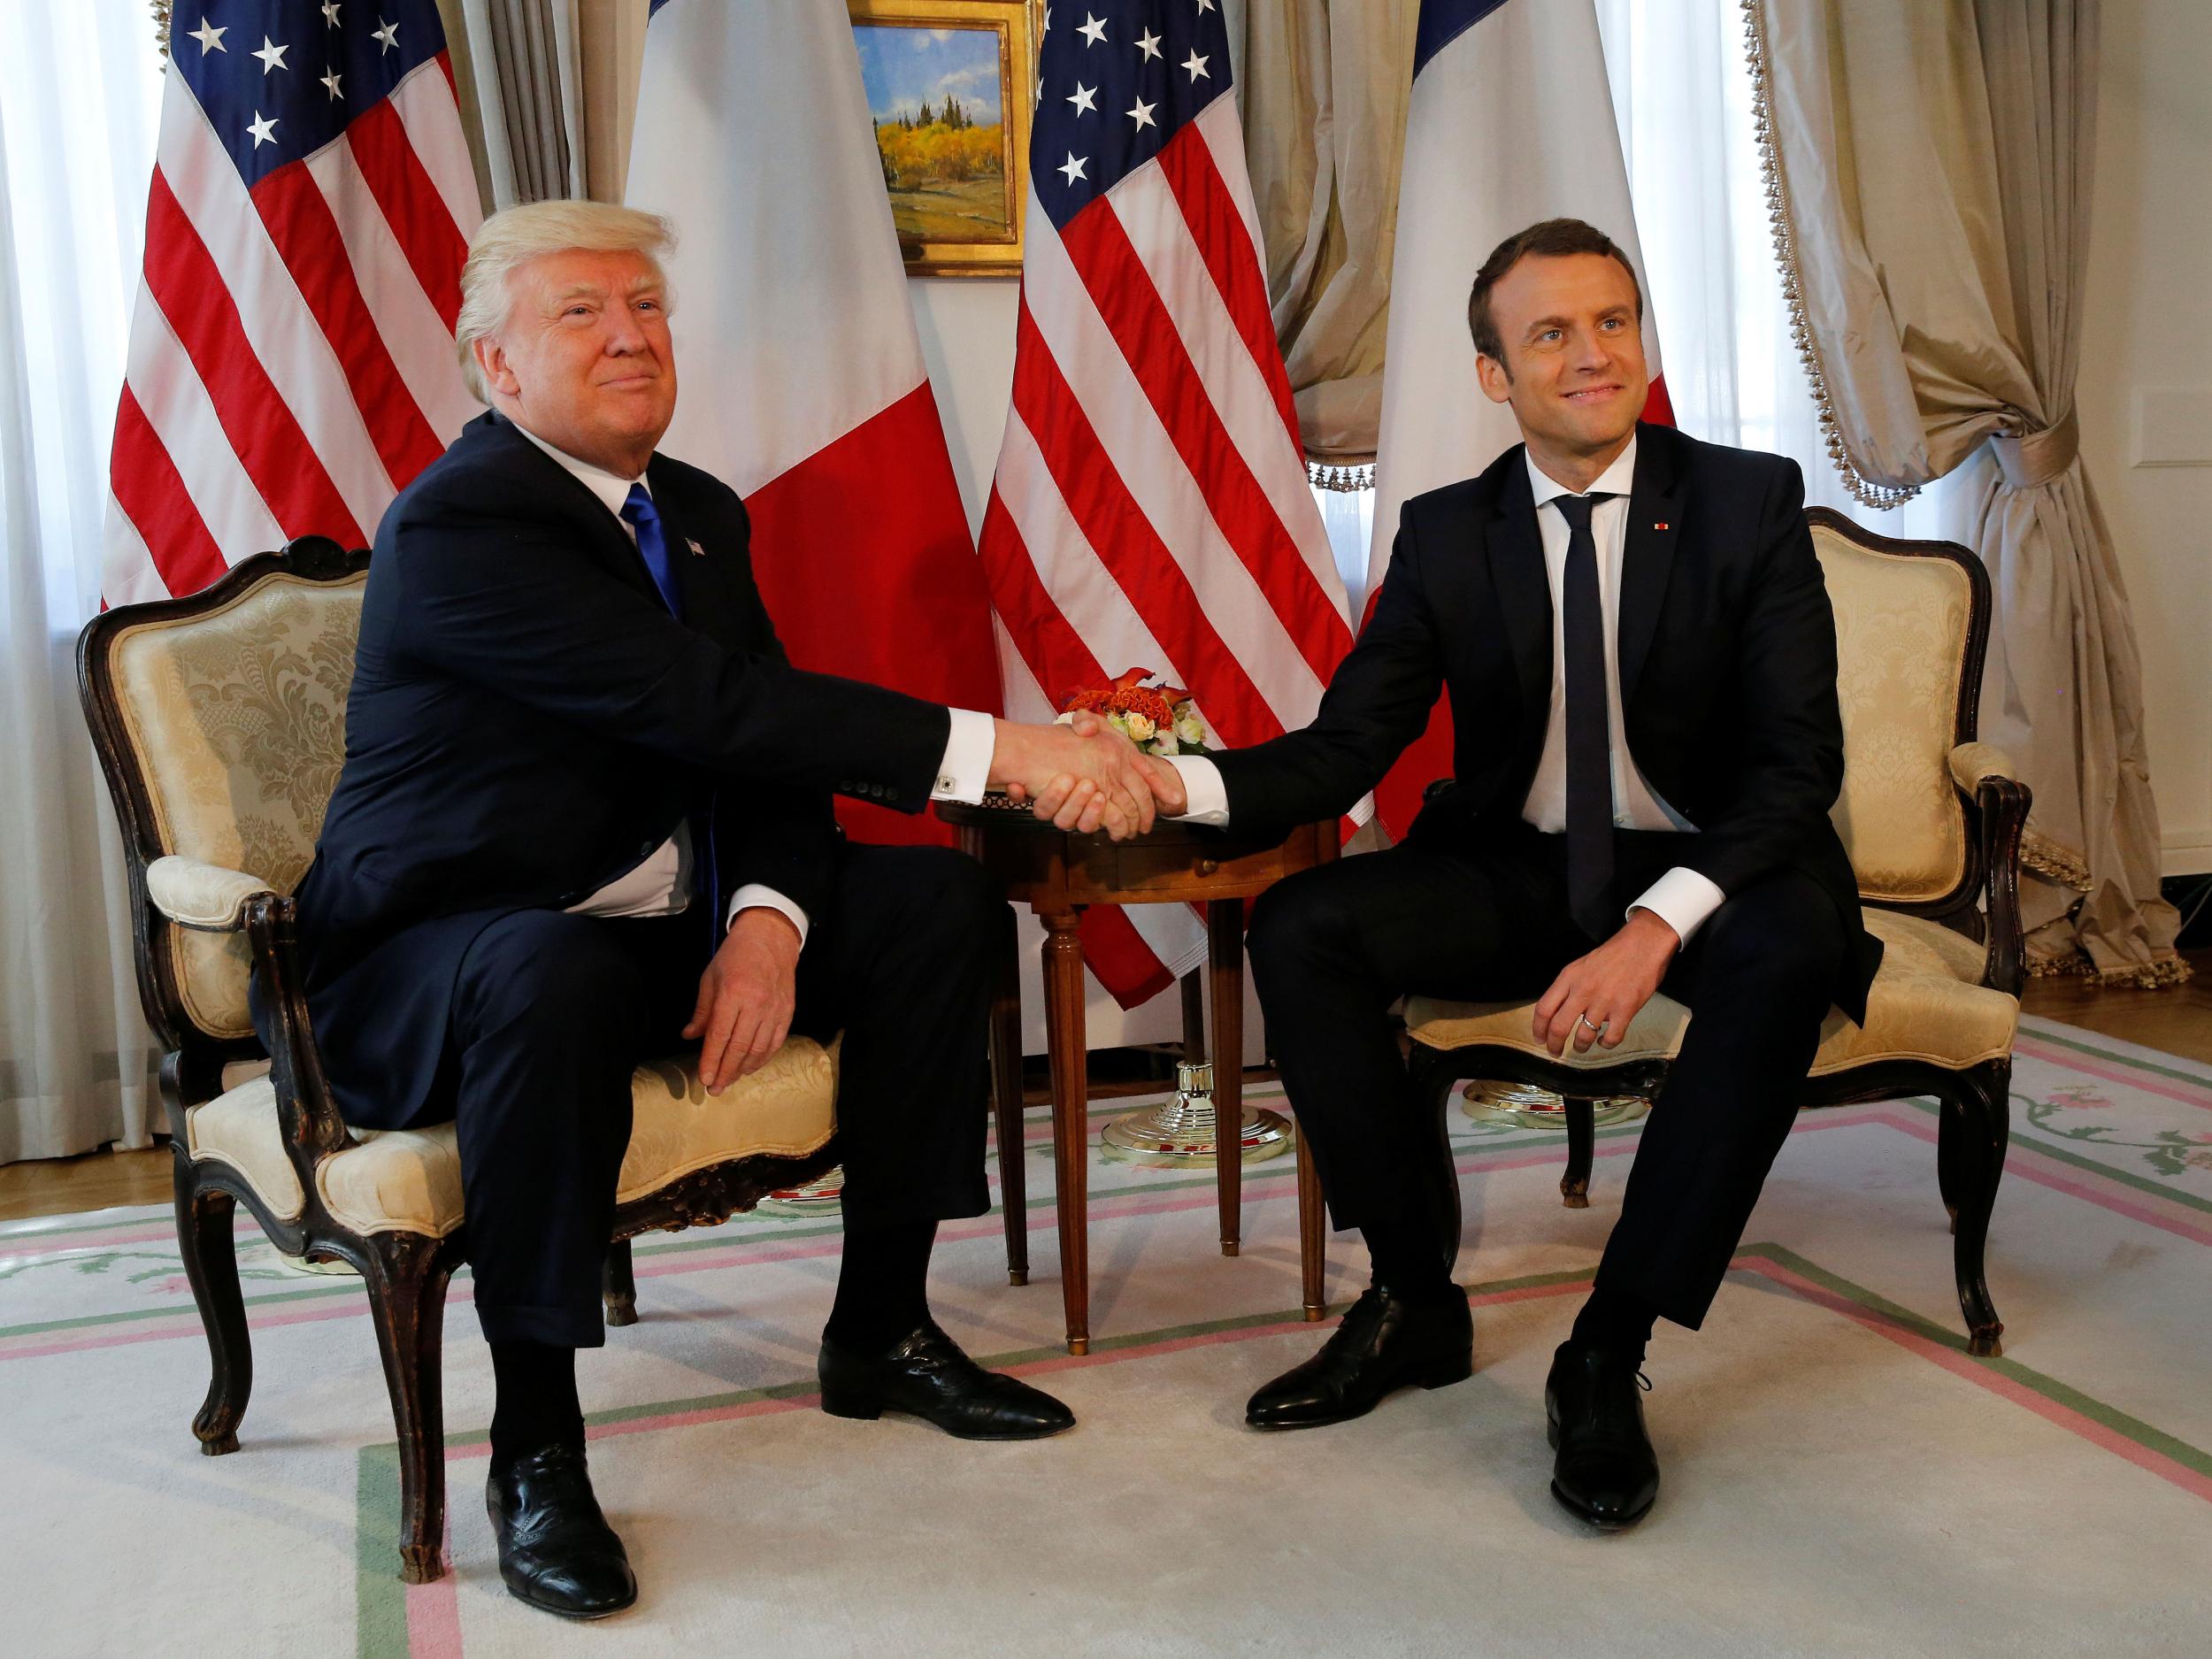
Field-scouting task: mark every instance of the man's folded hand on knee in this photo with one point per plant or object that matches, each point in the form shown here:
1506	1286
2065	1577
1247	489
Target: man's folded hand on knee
746	997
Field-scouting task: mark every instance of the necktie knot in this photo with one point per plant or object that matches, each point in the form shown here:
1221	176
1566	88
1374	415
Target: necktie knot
1576	509
638	507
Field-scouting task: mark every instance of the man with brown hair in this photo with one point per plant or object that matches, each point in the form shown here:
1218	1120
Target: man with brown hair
1634	632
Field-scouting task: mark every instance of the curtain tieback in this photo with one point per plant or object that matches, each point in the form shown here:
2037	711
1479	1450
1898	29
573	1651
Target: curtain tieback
2030	458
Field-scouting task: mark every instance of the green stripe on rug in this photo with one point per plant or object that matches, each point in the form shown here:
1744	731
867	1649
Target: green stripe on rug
2097	1412
380	1602
352	1287
2044	1032
2029	1142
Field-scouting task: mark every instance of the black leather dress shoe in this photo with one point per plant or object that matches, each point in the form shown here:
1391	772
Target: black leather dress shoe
556	1549
1385	1342
926	1375
1606	1472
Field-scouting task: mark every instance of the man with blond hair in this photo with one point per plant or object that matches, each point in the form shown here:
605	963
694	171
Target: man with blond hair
585	815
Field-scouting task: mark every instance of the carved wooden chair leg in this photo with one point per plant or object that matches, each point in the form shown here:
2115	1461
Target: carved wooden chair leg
407	1274
1582	1139
1950	1149
211	1267
1981	1101
621	1284
1312	1238
1433	1075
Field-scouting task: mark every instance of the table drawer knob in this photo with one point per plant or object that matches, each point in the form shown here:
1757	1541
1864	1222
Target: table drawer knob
1207	866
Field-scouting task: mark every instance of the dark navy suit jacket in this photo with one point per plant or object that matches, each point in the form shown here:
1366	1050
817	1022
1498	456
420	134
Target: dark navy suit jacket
527	722
1727	663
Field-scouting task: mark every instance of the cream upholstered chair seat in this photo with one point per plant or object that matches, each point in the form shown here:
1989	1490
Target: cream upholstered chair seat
409	1180
1927	1004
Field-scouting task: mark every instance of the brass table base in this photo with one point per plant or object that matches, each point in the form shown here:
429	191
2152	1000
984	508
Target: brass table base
1167	1136
1182	1131
822	1196
1531	1107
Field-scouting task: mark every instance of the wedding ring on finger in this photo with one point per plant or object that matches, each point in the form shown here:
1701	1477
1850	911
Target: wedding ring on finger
1597	1030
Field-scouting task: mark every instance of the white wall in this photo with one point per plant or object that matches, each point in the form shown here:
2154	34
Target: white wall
2144	332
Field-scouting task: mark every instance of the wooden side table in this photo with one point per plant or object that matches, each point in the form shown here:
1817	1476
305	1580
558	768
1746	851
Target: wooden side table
1057	875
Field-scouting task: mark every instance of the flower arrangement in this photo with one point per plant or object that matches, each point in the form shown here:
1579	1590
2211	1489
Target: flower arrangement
1159	719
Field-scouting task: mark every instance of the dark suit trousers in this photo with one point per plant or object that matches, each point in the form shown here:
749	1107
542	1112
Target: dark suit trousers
1332	948
553	1011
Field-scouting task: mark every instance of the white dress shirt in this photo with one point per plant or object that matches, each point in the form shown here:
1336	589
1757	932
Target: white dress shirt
1681	898
661	886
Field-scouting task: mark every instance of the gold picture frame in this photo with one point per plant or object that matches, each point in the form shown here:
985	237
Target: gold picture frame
949	88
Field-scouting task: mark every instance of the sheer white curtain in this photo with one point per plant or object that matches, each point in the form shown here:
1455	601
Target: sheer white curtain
1682	94
80	96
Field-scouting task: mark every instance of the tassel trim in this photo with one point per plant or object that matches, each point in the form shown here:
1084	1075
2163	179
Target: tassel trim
2055	862
1863	490
1345	478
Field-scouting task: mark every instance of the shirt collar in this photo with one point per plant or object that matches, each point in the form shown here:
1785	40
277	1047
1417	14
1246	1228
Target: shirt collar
611	490
1617	480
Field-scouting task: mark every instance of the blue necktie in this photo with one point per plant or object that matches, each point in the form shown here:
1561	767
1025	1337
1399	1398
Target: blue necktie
1589	729
652	543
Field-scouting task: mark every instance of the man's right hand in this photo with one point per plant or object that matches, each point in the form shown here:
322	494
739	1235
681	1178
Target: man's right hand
1095	778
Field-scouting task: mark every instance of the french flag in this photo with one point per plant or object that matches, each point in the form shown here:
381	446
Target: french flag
803	384
1510	122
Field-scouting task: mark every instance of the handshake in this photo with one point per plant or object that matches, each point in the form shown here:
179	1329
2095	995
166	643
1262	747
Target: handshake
1084	776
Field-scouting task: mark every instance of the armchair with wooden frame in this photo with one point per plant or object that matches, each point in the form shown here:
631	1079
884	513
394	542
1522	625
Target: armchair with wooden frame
220	721
1932	820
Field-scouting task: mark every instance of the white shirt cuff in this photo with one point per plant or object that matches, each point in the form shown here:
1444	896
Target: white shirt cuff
754	896
965	771
1682	899
1205	797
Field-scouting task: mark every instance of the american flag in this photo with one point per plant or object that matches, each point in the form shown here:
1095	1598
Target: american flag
291	361
1150	508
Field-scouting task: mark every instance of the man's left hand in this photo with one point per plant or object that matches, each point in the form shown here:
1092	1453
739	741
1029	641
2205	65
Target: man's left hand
746	997
1596	996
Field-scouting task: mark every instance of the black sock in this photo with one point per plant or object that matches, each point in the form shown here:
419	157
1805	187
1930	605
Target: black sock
1617	1322
1402	1249
882	1288
536	1404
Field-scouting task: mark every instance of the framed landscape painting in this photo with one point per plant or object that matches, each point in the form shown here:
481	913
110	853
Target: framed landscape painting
948	86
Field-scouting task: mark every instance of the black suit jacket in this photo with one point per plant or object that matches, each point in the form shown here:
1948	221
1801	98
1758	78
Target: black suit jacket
527	722
1727	662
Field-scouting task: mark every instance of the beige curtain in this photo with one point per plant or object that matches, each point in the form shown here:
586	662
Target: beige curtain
1929	162
547	92
1322	86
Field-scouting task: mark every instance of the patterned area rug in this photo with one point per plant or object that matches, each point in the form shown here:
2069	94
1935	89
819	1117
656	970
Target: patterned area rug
1840	1477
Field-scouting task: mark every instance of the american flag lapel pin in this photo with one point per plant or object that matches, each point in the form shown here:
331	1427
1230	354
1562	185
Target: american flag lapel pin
697	552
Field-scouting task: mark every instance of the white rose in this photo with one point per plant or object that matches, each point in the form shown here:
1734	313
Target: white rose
1139	729
1188	726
